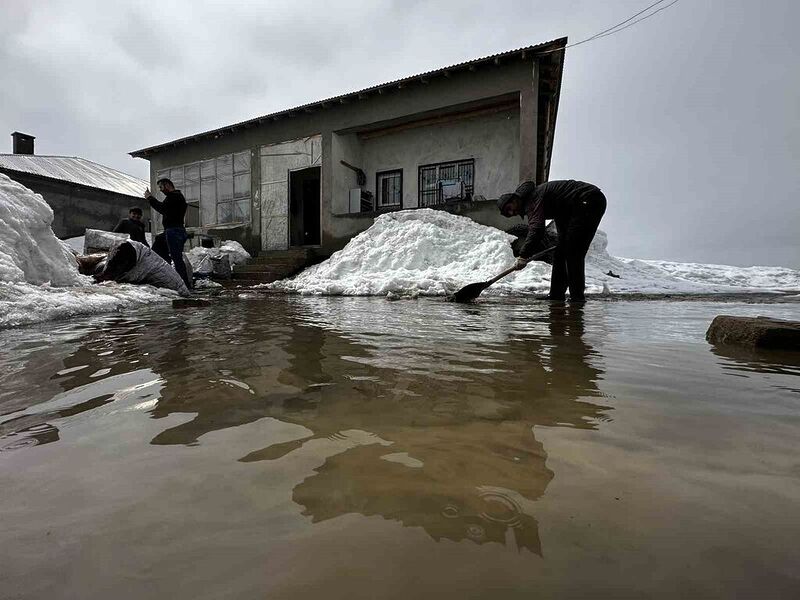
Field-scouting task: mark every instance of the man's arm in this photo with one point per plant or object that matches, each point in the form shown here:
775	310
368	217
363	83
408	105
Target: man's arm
155	204
120	228
535	226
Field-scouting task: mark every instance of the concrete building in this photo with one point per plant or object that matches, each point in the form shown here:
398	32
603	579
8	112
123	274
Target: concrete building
82	193
315	175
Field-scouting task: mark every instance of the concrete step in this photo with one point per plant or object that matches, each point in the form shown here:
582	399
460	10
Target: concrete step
278	260
259	276
262	268
292	253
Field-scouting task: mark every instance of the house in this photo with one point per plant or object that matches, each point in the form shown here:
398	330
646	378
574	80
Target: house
83	194
316	175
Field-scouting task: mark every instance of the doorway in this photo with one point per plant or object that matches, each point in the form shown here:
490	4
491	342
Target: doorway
304	207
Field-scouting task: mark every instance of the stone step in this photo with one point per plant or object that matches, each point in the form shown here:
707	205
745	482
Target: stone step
292	252
262	268
259	276
278	260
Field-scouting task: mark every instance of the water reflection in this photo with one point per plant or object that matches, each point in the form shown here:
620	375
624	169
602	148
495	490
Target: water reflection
452	446
420	412
742	362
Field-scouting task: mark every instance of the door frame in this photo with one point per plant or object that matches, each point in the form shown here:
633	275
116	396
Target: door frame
289	207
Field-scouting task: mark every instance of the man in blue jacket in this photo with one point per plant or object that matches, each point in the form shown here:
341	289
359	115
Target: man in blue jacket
169	244
577	208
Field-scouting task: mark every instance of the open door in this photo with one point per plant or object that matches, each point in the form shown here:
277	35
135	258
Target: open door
304	207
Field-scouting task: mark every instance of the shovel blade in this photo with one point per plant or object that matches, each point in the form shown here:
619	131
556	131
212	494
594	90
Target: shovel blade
469	292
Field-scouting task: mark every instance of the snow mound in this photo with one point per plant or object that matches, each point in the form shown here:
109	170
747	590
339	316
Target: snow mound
29	250
421	251
39	277
431	252
26	304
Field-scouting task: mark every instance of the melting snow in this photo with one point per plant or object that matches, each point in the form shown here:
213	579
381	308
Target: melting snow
39	277
430	252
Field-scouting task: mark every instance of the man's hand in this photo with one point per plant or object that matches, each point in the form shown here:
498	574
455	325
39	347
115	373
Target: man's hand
147	193
521	262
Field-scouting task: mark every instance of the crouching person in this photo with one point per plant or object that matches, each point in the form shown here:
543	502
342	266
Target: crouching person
133	262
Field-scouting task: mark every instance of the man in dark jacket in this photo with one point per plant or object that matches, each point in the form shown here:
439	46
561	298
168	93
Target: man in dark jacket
169	244
133	226
577	208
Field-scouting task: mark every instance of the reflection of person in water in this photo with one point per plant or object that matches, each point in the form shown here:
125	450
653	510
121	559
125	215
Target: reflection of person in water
463	461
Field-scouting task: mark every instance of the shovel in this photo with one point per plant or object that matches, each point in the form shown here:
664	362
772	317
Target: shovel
469	292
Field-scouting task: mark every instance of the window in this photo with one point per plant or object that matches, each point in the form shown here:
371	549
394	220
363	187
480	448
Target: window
217	190
389	189
446	182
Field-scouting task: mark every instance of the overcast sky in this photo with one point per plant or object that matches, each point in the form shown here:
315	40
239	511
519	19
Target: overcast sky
689	121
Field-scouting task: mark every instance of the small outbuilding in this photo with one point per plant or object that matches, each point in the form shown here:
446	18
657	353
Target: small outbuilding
83	194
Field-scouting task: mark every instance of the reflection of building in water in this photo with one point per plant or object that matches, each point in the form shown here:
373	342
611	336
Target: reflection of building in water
463	461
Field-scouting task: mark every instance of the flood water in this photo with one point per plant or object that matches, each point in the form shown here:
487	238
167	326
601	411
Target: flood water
296	447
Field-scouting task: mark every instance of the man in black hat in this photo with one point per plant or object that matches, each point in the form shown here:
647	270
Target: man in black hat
577	208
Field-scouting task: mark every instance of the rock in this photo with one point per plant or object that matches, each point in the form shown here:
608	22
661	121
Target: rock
190	302
758	332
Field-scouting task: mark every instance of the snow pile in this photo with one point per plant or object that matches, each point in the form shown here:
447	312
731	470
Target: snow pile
421	251
39	277
430	252
25	304
29	250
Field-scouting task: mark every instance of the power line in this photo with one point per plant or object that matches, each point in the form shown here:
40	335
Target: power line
617	28
638	20
610	29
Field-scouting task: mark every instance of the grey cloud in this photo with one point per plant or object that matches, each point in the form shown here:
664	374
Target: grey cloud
689	121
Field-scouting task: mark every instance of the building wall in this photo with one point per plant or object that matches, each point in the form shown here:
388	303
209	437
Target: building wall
76	207
493	141
339	123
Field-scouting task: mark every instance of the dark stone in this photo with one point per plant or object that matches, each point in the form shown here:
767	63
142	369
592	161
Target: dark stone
190	302
755	332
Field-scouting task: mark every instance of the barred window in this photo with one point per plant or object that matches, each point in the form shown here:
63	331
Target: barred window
389	189
446	182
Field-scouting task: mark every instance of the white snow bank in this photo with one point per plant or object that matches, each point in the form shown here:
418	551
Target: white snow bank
421	251
430	252
29	250
39	277
25	303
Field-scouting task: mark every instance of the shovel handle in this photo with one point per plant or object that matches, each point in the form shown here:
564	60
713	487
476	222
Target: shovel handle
514	268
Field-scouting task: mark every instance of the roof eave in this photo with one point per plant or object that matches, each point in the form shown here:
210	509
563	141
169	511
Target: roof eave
545	47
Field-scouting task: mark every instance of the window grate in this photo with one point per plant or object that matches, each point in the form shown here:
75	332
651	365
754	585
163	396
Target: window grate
446	182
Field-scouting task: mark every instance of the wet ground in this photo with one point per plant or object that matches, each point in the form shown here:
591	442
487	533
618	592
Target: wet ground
295	447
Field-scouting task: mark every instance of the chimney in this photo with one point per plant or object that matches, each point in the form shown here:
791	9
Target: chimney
23	143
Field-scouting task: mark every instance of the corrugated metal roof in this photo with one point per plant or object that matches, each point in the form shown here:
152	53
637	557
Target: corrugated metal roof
543	48
75	170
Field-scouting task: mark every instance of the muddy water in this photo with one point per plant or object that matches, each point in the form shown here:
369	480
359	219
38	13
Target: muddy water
359	448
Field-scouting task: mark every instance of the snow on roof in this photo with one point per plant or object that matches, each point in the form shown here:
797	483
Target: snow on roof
75	170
